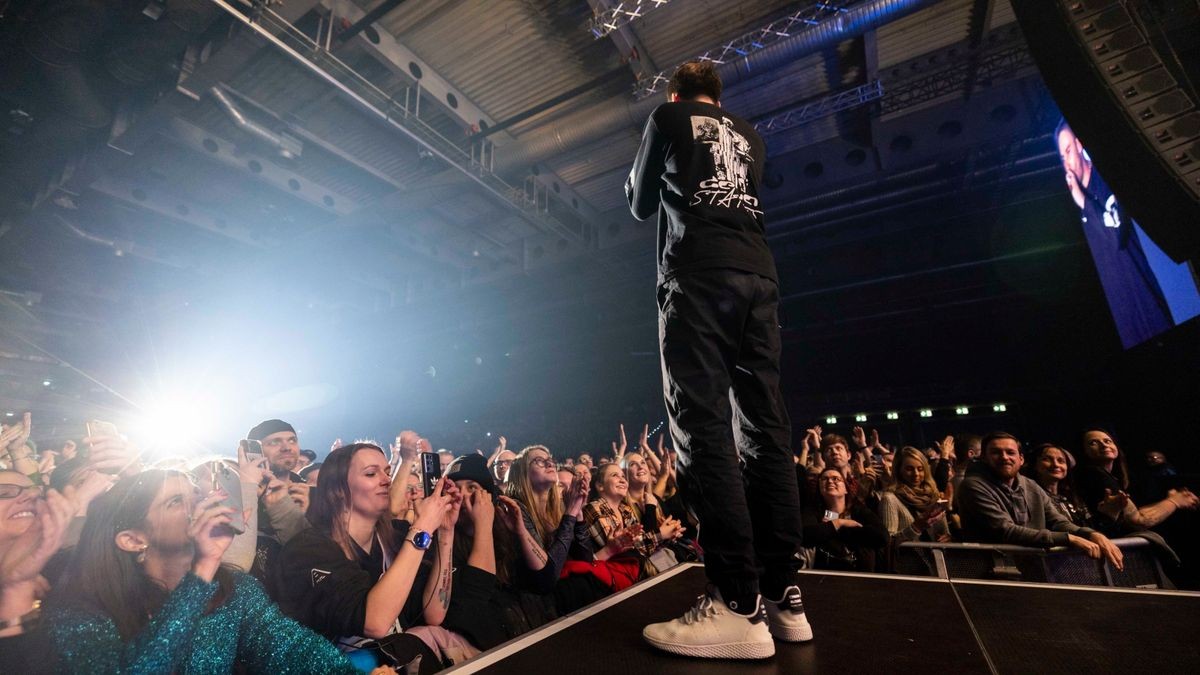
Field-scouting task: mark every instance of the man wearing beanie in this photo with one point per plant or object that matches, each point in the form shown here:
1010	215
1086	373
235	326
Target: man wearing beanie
280	446
284	519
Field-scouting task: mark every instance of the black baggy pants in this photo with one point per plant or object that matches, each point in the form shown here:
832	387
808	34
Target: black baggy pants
718	331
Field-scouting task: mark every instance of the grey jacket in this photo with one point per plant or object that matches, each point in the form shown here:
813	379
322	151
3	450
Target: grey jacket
1022	514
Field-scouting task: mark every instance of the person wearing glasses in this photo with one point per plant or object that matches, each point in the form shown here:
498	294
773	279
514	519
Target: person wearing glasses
500	462
841	533
549	531
32	525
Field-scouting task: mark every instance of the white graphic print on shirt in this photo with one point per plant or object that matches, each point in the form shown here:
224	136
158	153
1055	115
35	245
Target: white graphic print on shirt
729	187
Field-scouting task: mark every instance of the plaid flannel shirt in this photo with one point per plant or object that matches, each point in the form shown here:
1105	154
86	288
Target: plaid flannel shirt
602	521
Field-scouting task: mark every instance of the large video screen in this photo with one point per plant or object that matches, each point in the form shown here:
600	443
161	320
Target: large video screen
1148	292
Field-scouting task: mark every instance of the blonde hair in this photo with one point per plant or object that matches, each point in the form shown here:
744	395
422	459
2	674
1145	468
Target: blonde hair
547	515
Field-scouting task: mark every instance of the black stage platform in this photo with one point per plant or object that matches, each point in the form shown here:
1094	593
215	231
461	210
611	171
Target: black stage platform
865	623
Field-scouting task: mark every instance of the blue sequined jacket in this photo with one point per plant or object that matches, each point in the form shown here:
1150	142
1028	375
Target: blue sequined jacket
248	629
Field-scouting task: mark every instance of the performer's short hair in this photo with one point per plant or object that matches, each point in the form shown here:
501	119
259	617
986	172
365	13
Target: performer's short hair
696	78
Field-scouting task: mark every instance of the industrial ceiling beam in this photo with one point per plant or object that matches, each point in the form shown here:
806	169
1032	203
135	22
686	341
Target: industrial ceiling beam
633	52
377	13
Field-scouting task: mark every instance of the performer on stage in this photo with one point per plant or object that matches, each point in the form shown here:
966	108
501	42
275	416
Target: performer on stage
1135	297
699	168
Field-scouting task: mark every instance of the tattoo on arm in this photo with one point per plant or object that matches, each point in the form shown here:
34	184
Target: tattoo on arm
444	588
538	552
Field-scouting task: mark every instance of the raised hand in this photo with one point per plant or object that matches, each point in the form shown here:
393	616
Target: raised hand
435	509
89	485
112	454
875	439
619	446
22	560
456	503
501	447
510	514
946	447
813	438
209	530
577	495
859	436
480	509
251	472
13	437
409	444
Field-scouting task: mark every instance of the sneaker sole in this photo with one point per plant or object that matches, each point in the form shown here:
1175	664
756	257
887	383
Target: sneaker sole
792	634
733	650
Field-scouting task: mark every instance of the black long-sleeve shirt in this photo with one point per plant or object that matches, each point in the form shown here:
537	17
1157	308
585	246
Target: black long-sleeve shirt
699	168
569	540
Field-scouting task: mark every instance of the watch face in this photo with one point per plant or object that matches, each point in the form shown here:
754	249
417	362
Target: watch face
422	540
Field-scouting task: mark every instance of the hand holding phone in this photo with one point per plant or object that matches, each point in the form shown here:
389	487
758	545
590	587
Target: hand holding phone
252	465
431	471
226	479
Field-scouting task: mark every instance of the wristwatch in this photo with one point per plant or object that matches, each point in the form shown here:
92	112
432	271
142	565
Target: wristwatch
419	539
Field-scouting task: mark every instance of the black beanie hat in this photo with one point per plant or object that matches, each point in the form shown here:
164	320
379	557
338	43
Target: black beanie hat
264	429
472	467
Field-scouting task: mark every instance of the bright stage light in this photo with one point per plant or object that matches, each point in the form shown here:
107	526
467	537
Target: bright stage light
831	420
860	418
999	407
926	412
176	424
893	416
962	410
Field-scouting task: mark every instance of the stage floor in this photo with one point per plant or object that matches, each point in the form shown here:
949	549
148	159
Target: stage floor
867	623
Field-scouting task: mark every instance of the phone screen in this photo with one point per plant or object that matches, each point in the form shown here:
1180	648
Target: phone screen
99	428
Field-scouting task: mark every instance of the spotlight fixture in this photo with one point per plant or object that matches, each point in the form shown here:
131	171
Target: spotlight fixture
999	407
893	416
926	412
962	411
831	420
46	383
860	418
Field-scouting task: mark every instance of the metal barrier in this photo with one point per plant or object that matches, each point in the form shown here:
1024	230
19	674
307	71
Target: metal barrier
1059	565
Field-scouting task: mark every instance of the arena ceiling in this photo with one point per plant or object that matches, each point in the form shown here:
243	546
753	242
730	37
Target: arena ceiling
461	161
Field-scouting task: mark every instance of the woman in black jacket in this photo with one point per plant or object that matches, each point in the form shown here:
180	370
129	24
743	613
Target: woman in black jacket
356	575
843	534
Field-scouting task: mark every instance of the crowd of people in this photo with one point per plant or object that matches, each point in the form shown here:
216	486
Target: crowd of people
360	563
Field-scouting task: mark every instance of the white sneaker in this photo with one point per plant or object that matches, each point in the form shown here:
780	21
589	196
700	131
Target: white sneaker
787	619
711	630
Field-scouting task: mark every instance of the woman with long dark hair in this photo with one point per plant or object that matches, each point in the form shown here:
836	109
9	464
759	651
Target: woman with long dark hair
351	576
146	592
1103	480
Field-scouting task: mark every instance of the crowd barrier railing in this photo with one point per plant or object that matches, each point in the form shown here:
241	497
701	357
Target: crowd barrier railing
1059	565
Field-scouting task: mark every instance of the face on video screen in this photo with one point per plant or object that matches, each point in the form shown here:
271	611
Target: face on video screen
1148	293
